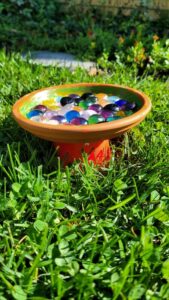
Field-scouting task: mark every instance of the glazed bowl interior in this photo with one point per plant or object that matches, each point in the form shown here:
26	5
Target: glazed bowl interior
45	94
87	133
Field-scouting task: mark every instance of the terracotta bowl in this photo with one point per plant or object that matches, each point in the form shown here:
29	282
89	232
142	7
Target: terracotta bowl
71	134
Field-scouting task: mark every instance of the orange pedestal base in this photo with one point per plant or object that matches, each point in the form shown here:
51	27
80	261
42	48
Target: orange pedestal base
98	152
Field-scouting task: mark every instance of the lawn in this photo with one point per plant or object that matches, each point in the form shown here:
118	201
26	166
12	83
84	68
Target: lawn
83	233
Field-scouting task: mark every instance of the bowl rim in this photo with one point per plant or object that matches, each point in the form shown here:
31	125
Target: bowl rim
129	120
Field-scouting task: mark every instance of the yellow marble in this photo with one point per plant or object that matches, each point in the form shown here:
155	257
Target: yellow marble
120	113
102	99
48	102
54	107
77	108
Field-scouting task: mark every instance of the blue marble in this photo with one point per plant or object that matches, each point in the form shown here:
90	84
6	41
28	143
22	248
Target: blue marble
34	113
72	114
121	102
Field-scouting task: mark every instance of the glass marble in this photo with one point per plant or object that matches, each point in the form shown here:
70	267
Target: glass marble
95	107
81	110
74	96
54	107
79	121
112	107
86	95
95	119
72	114
40	107
36	118
52	122
128	113
65	109
49	114
77	108
130	106
66	100
121	102
93	99
60	119
48	102
83	104
57	99
120	113
77	101
87	113
34	113
102	96
88	102
106	113
113	99
109	119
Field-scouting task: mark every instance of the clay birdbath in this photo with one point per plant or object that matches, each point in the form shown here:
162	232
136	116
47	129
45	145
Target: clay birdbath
72	140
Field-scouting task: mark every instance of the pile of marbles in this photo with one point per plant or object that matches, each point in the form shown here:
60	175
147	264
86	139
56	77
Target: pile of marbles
86	109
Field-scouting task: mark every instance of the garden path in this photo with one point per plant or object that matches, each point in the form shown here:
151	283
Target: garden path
61	59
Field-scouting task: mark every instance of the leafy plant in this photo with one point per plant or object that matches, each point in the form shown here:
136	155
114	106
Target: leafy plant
159	56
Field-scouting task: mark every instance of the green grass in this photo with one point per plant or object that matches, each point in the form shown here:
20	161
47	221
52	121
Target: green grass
83	233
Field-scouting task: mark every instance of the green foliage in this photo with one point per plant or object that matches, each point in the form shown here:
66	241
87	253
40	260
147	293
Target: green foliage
24	23
33	12
87	33
160	56
79	232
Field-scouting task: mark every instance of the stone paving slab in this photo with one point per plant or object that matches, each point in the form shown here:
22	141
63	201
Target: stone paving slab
60	59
